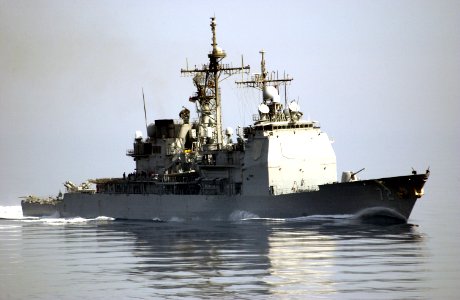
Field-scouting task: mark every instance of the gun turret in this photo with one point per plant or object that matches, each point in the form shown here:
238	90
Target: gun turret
351	176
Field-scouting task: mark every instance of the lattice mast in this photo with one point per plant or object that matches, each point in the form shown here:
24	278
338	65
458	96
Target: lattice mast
208	93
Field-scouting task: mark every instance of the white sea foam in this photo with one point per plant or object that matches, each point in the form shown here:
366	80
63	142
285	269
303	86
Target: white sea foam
62	221
15	213
379	215
104	218
239	215
177	219
77	220
11	212
247	216
379	211
319	218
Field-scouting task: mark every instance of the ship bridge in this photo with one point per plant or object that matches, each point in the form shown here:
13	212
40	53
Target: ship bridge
270	126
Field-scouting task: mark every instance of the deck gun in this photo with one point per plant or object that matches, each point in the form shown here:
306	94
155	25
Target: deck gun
349	176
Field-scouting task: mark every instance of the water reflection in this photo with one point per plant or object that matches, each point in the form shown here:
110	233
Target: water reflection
300	258
315	257
211	259
347	260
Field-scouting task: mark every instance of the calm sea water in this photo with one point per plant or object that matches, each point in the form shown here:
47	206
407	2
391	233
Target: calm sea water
313	257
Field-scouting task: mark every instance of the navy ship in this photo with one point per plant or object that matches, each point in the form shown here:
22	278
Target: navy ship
281	166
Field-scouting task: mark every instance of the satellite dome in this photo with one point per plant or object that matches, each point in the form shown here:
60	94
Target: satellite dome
263	108
151	130
138	135
219	49
270	92
293	106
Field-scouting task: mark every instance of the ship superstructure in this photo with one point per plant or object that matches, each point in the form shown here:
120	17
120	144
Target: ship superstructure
279	154
285	154
280	166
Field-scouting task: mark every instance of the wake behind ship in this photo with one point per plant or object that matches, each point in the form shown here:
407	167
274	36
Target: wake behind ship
279	167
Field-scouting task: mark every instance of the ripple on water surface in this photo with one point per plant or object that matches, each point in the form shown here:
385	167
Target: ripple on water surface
320	256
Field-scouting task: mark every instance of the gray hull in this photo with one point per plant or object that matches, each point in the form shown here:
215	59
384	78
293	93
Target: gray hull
397	195
35	209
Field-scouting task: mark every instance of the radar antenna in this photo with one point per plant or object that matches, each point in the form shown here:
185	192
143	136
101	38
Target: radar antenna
269	83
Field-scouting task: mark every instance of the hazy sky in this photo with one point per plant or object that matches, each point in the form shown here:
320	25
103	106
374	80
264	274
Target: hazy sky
382	77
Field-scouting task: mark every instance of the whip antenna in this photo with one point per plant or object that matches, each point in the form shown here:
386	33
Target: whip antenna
145	111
